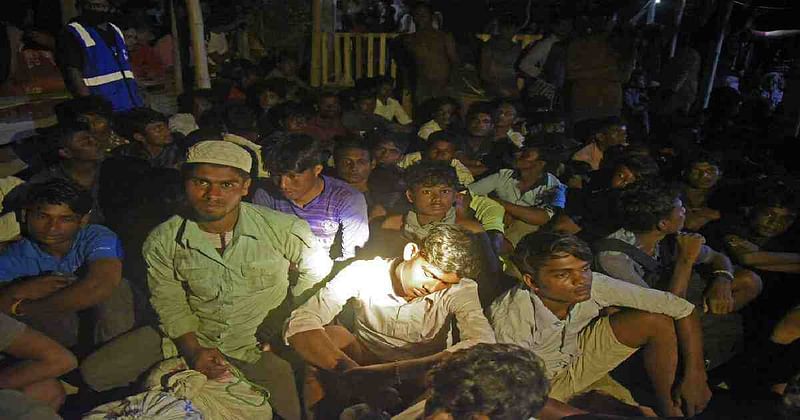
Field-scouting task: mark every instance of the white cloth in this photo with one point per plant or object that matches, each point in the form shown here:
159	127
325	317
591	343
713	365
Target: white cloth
389	326
533	62
519	317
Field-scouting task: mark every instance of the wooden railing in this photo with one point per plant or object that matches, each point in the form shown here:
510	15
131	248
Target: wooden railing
358	55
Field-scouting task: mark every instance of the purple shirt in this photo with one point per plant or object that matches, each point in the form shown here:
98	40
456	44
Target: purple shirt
338	206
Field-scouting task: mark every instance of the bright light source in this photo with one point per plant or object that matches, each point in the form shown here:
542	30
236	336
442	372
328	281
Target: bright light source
658	1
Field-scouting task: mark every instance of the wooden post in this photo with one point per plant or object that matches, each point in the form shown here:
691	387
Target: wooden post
316	43
709	85
370	55
382	56
202	79
68	10
359	56
678	19
348	59
177	68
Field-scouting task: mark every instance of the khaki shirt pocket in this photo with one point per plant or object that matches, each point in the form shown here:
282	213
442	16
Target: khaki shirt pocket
260	275
203	282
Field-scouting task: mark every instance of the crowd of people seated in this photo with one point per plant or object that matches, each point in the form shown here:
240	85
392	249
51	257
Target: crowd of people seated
565	250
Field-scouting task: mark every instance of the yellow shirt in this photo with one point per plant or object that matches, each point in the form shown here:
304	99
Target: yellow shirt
9	228
392	110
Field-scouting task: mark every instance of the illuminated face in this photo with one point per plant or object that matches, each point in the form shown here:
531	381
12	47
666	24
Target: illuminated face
387	153
157	134
441	151
674	222
769	222
443	115
215	191
622	177
480	125
296	186
432	201
703	175
354	165
420	278
82	146
329	107
563	278
54	224
506	115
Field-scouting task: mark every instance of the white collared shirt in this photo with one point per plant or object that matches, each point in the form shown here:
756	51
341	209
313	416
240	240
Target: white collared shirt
519	317
389	326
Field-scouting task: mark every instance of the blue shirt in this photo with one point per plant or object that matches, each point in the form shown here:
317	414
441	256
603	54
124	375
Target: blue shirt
338	206
25	258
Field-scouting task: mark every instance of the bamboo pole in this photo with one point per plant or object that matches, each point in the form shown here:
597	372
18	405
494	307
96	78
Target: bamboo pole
678	19
68	10
370	55
337	58
177	68
202	79
709	85
316	43
348	59
324	59
382	56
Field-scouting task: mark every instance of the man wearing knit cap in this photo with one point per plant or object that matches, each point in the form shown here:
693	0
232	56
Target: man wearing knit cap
214	275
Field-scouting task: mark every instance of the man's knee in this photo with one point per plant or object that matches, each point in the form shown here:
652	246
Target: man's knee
748	282
788	329
49	391
341	336
121	361
636	328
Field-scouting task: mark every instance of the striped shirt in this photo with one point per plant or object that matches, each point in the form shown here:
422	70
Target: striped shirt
338	207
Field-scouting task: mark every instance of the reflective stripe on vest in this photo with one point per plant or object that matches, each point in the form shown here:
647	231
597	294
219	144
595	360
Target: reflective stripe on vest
107	78
84	34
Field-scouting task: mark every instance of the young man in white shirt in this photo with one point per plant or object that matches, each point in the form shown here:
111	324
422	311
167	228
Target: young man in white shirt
404	309
556	313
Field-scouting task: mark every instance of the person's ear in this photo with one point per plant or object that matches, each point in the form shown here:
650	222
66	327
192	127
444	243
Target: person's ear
138	137
246	186
85	218
318	170
22	214
661	226
410	251
530	282
409	197
373	163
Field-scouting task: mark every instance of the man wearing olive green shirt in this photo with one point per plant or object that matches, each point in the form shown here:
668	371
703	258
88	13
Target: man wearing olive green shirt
214	276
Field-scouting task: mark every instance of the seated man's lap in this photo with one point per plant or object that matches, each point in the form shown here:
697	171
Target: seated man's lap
601	353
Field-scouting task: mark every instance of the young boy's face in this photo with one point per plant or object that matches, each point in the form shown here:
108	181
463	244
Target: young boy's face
442	151
703	175
354	165
53	224
433	201
367	105
157	134
480	125
387	153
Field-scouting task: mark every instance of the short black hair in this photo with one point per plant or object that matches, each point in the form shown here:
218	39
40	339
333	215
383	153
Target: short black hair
703	156
296	153
536	249
71	110
63	133
451	249
587	130
136	121
254	92
480	108
643	204
428	173
350	142
776	193
58	191
378	137
643	166
499	381
445	136
239	117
